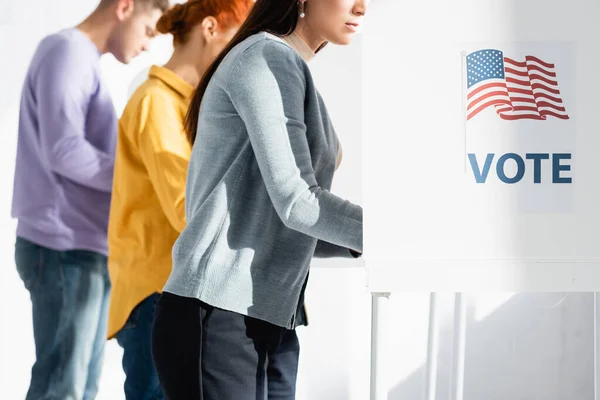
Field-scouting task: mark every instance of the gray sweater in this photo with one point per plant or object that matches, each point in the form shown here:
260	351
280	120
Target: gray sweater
258	204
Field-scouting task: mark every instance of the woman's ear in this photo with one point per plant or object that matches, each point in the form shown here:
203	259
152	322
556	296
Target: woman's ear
209	28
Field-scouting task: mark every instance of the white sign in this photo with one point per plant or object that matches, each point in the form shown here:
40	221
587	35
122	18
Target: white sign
481	143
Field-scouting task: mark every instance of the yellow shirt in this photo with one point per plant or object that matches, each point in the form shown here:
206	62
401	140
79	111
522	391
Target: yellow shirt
147	208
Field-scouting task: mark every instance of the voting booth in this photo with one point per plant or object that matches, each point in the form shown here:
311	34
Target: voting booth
481	145
480	153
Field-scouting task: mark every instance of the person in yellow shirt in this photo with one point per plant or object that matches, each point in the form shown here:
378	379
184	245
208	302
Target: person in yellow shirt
147	207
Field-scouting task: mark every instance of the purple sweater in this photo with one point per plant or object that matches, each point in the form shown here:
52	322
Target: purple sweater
66	146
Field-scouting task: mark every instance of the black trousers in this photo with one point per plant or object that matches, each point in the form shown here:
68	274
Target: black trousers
205	353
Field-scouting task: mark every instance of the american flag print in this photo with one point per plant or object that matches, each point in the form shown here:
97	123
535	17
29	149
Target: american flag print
516	89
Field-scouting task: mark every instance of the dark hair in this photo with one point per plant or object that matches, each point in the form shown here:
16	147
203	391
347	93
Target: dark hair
278	17
181	19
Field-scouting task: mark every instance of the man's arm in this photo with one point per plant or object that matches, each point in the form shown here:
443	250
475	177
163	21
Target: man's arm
63	87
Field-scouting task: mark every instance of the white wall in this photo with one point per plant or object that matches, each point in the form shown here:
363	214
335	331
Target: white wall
519	347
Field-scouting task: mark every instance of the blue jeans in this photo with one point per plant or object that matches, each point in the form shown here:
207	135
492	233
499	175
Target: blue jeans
69	293
141	380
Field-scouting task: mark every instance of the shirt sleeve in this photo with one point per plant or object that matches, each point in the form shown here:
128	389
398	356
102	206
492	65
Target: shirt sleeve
64	86
267	88
165	152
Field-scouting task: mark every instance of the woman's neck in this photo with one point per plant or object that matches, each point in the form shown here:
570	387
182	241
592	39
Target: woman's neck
303	32
185	65
300	45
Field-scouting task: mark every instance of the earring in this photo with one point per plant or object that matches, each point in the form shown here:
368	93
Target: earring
301	6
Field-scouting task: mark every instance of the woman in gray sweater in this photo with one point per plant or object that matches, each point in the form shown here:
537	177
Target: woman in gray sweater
258	208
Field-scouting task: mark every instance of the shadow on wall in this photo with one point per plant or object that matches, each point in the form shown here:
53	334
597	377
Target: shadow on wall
534	347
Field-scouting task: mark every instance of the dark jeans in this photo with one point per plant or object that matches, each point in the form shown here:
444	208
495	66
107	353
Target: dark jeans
69	293
141	381
205	353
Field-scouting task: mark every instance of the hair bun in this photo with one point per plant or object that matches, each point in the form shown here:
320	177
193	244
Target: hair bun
173	19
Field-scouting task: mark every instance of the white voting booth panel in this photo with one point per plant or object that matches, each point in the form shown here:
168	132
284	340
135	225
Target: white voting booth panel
481	142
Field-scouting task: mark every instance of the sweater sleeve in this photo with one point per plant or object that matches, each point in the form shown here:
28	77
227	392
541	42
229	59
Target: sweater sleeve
64	89
267	87
328	250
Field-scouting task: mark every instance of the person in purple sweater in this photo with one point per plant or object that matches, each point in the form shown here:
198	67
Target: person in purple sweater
62	187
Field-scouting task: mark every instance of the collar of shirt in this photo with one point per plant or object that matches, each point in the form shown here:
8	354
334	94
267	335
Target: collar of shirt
172	79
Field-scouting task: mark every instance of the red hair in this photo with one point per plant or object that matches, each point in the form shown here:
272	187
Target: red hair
180	19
